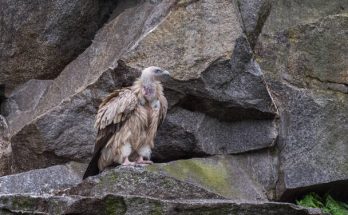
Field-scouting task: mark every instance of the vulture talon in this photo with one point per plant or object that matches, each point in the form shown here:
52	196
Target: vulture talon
126	162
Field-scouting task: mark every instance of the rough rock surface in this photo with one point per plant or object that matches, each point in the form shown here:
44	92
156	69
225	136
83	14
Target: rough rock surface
128	190
224	175
39	38
285	14
254	14
77	91
305	68
134	205
222	86
258	105
194	133
42	181
23	101
140	182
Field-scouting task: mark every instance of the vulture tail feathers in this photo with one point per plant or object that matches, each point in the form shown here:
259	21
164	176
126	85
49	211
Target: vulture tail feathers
102	139
92	168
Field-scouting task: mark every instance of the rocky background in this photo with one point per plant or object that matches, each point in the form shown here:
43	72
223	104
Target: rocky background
258	102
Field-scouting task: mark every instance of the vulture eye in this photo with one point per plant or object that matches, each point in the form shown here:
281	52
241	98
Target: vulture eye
158	71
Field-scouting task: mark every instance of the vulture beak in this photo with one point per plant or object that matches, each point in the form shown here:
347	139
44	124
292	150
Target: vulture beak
166	72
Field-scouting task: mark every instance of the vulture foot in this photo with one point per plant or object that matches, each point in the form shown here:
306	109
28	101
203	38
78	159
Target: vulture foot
126	162
141	160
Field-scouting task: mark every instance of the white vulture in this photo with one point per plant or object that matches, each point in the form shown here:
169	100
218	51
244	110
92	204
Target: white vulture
127	122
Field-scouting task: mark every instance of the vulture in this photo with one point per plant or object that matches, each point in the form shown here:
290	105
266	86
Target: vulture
127	122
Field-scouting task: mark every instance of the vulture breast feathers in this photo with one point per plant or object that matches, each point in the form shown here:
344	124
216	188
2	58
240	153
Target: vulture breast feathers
127	122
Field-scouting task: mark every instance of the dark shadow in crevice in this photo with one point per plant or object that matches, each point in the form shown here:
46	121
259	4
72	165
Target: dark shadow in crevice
337	189
223	111
2	97
157	159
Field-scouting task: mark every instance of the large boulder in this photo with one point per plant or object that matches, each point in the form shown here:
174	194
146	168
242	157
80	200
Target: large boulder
218	177
39	38
187	134
305	68
222	86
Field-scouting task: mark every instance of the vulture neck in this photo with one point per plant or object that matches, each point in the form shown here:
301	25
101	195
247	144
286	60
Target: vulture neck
148	88
147	80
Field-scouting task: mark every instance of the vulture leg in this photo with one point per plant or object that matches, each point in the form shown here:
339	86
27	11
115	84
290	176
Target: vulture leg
126	150
144	152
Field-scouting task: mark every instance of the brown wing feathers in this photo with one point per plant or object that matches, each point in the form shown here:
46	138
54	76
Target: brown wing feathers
112	113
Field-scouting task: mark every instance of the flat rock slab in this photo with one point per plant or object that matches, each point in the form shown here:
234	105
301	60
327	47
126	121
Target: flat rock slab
220	177
138	181
43	180
134	205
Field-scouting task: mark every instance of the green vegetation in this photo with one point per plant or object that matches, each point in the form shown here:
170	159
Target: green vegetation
327	204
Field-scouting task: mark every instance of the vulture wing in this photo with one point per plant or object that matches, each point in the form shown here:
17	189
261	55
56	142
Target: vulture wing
113	112
163	109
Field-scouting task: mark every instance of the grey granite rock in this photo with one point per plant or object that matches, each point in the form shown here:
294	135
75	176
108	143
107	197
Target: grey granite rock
39	38
187	134
226	87
299	63
134	205
285	14
139	181
254	14
61	125
41	181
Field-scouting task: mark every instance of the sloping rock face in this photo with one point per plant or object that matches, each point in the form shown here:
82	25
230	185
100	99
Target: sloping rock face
305	66
254	13
39	38
78	91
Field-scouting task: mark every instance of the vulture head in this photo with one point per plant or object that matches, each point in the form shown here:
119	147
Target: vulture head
154	73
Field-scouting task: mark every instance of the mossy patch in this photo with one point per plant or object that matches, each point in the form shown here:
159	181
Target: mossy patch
327	204
114	205
24	203
108	180
210	174
156	209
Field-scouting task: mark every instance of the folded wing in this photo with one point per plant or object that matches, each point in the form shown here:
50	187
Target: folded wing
112	113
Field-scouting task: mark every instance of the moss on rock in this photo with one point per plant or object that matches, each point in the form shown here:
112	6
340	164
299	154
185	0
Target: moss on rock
210	174
114	205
